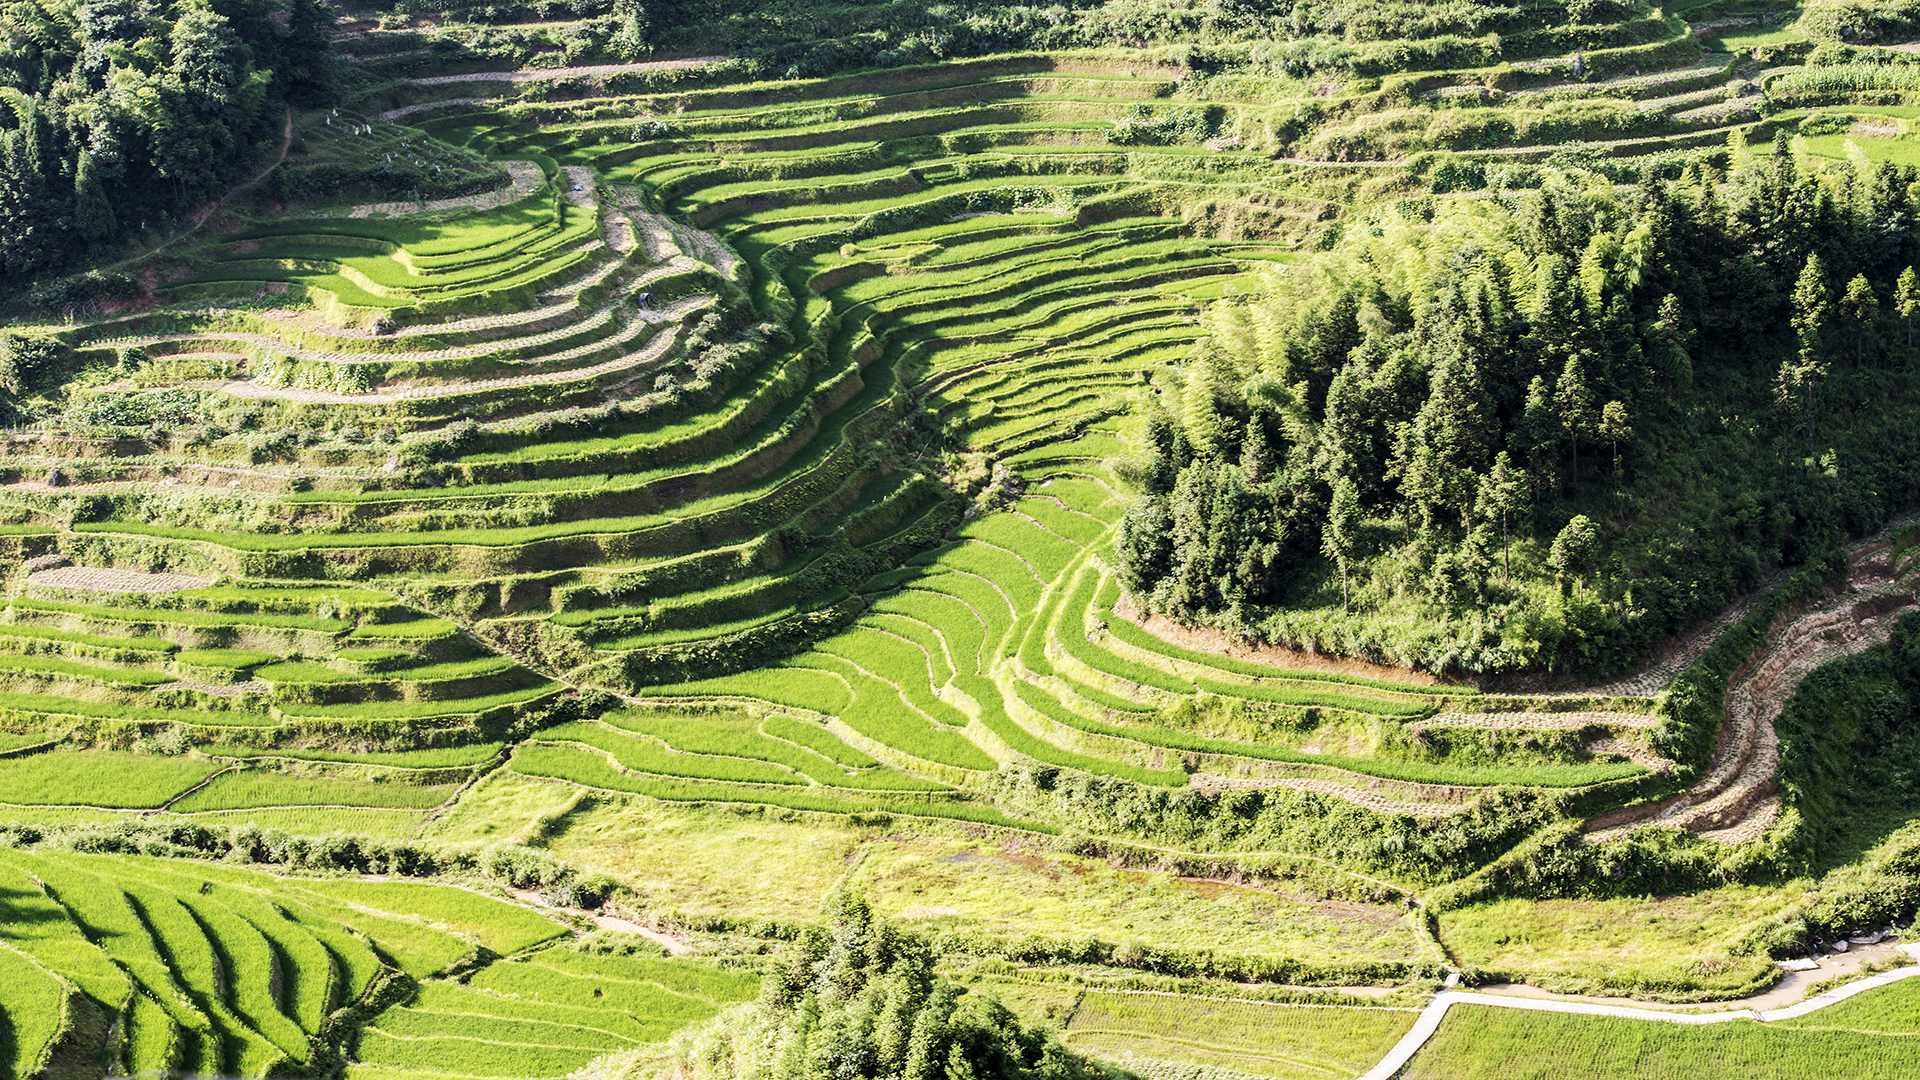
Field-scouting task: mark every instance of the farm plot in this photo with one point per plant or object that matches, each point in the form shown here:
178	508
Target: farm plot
1245	1037
547	1015
1482	1041
215	968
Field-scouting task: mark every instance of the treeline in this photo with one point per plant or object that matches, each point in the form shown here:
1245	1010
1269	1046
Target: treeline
121	115
1541	429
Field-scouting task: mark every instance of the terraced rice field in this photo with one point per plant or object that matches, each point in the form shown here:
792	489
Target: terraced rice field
801	429
231	699
671	412
208	970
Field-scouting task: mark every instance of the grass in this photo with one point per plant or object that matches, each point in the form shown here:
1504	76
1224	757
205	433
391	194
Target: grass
501	926
879	712
24	632
97	903
1893	1010
1480	1042
590	770
643	755
319	821
1416	772
307	971
30	1011
798	688
249	788
1623	945
449	757
172	617
36	925
109	778
419	710
10	742
662	995
1247	1037
738	735
451	1000
224	658
818	739
1131	633
48	667
417	629
300	671
60	706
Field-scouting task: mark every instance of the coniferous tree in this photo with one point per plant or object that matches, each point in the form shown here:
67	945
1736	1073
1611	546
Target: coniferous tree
1812	312
1502	494
1574	406
1340	538
1862	309
1906	299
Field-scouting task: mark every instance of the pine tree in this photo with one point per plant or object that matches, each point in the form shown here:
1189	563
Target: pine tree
1536	434
1862	309
1906	299
1502	494
1812	312
1573	404
1340	539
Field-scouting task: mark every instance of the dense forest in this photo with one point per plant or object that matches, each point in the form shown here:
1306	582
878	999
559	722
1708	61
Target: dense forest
123	114
1541	428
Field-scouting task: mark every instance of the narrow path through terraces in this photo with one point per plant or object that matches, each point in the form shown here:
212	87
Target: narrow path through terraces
1735	801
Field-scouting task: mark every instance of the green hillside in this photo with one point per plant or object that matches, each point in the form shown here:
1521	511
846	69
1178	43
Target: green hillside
866	540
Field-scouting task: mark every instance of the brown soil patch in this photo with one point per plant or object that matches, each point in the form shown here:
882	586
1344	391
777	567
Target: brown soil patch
103	579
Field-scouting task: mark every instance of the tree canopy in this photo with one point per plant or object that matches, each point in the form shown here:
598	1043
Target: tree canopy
1651	394
123	114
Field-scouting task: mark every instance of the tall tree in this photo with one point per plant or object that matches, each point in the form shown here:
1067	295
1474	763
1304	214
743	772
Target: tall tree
1862	309
1812	313
92	210
1613	428
1906	299
1503	493
1573	403
1341	536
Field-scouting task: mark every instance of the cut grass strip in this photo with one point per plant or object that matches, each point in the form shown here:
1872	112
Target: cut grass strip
246	788
420	710
1414	772
170	616
499	925
738	735
46	704
111	778
590	770
643	755
449	757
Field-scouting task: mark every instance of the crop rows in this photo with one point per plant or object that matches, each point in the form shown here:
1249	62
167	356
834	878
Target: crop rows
211	969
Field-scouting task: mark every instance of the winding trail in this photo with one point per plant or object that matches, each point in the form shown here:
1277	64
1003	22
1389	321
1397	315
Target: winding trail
1429	1022
199	217
1735	801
